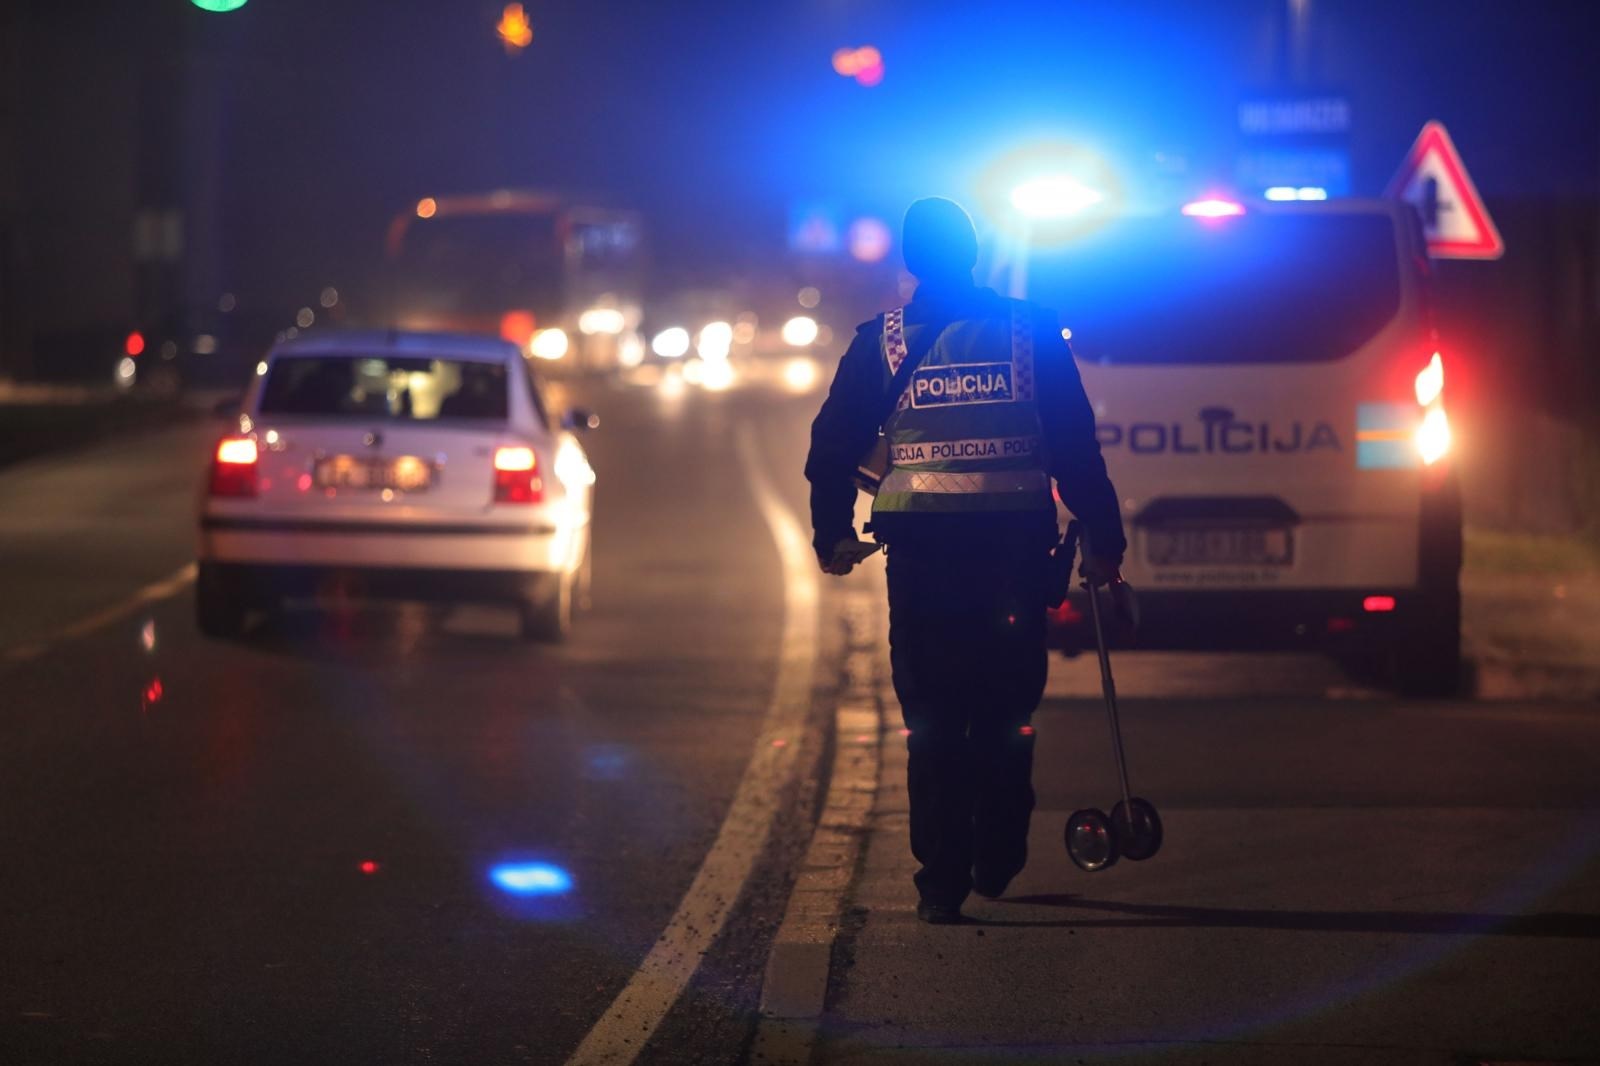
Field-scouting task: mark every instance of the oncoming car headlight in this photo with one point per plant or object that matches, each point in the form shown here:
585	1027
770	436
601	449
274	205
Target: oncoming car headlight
549	344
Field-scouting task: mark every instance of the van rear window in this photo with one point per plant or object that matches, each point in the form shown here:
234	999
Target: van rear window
1259	288
388	386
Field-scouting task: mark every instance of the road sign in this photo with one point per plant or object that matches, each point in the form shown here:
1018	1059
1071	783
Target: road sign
1432	179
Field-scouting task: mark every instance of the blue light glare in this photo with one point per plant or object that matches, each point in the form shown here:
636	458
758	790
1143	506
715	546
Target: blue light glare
531	879
1290	192
1054	197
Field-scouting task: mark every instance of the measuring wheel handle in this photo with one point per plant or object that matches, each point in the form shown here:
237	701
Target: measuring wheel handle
1138	828
1092	840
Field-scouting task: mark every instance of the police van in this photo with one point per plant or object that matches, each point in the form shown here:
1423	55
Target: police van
1271	401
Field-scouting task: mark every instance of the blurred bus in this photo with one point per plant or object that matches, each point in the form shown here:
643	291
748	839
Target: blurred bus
562	280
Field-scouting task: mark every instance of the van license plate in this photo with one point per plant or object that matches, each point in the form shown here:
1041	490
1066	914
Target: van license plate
1259	546
407	473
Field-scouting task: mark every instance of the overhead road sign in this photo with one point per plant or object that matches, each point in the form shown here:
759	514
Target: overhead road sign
1433	179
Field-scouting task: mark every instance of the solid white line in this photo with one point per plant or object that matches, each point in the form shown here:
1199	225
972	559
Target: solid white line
639	1008
156	590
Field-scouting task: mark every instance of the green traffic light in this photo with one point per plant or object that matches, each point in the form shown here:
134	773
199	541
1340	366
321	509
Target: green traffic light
219	5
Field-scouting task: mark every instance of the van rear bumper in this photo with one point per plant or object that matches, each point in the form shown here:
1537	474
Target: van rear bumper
1266	619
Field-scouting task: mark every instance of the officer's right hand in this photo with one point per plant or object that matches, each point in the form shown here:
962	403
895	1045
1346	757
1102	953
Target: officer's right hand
847	552
1101	570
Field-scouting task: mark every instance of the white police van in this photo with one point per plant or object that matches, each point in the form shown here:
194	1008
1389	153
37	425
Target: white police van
1271	403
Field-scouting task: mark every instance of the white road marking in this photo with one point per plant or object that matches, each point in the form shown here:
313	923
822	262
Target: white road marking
621	1033
157	590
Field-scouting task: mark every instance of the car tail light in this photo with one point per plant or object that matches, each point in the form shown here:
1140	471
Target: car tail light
233	469
516	475
1377	604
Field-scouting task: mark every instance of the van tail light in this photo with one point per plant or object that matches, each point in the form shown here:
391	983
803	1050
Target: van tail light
233	468
1433	433
516	475
1430	381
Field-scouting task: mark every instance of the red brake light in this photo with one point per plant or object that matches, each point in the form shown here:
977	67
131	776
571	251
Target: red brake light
233	471
134	344
518	327
1377	604
516	475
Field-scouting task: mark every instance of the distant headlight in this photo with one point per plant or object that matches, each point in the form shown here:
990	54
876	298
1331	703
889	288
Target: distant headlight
601	320
800	331
671	343
800	375
549	344
716	339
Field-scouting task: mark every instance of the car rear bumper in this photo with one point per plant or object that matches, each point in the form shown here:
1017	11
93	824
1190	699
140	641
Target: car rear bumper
430	545
265	583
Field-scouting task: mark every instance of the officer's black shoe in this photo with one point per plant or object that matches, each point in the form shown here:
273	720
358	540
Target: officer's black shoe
939	913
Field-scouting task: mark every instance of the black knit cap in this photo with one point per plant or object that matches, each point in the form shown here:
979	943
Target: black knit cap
938	240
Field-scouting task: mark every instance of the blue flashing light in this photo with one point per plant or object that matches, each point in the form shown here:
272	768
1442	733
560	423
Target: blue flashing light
1290	192
531	879
1057	196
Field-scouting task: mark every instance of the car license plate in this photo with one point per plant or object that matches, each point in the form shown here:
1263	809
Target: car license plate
1214	546
407	473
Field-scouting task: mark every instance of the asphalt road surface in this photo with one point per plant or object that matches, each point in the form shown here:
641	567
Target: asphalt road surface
281	849
185	821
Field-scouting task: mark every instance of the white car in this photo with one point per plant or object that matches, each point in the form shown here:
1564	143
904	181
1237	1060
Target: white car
406	465
1271	401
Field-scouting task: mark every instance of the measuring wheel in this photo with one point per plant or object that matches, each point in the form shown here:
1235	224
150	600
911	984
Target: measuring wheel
1140	837
1091	840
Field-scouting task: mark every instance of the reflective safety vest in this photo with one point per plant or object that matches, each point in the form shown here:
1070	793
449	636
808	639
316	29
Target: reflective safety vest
965	435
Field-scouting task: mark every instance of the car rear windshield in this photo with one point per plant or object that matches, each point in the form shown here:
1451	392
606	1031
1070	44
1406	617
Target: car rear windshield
384	387
1257	288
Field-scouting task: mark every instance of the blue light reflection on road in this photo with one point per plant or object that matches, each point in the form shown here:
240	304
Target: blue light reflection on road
531	878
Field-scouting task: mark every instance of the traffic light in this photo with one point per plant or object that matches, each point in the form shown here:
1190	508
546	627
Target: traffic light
219	5
514	28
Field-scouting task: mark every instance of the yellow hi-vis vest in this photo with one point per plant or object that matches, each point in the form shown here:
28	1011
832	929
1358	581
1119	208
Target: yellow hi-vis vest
965	436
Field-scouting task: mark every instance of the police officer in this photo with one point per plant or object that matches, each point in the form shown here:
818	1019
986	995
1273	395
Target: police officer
992	413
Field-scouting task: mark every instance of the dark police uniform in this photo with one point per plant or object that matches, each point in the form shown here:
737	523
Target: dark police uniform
993	413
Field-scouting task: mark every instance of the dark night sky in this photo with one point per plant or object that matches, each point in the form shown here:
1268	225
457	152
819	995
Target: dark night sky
712	117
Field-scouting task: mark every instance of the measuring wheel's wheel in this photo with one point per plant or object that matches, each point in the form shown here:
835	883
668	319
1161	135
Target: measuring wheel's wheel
1091	840
1141	837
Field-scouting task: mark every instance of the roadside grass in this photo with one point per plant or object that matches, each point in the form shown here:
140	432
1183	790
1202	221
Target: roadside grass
1525	554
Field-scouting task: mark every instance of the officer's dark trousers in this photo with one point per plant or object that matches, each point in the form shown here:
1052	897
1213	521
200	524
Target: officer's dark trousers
967	646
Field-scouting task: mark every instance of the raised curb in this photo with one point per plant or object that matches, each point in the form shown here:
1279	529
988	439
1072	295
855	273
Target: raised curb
796	980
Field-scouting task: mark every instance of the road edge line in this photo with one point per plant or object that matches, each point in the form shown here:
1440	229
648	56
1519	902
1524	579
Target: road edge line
794	989
775	764
165	588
